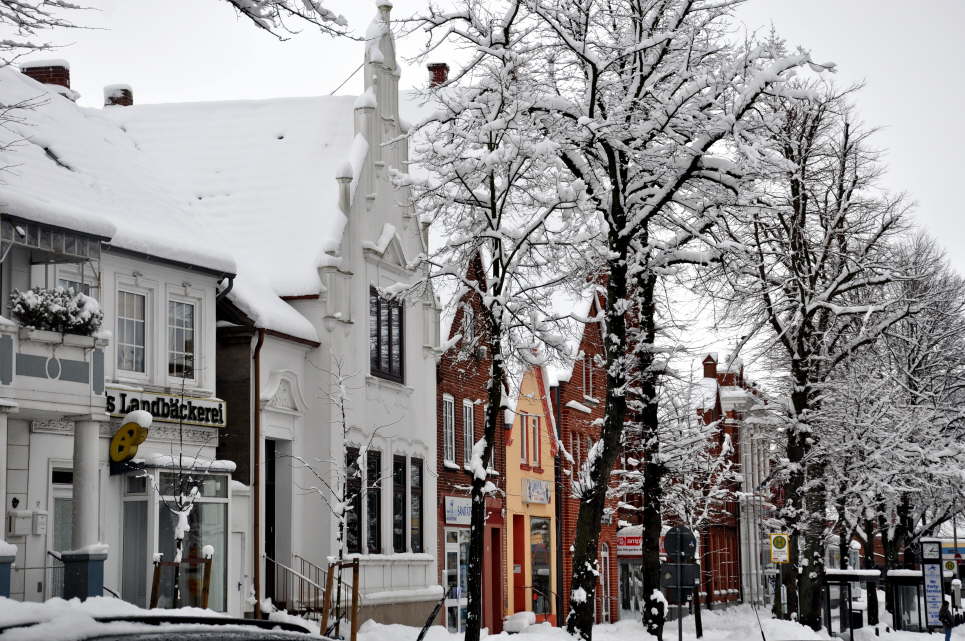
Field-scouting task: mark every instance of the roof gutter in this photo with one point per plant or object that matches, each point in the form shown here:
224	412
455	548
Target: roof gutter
256	442
227	290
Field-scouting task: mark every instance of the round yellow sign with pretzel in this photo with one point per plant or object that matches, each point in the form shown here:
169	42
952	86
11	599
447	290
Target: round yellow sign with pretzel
133	432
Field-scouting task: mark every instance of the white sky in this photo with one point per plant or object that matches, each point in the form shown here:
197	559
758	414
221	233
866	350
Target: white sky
906	52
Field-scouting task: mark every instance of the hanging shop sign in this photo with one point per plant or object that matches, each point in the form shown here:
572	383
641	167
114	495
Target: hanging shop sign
168	408
458	510
780	547
629	544
535	491
124	443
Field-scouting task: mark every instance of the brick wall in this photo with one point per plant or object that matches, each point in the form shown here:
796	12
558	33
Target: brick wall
49	75
576	431
462	374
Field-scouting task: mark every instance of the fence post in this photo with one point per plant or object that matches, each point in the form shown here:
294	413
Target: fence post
355	600
326	600
156	581
206	582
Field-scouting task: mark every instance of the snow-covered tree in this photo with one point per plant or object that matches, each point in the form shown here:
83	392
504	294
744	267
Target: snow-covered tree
494	192
282	18
819	258
636	98
25	24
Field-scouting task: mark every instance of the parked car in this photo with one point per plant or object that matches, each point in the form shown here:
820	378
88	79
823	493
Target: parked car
153	628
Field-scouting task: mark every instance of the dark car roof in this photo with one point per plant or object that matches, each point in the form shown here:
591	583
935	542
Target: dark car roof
168	628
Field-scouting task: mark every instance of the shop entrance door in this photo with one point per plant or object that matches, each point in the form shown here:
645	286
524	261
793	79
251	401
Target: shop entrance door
457	574
605	582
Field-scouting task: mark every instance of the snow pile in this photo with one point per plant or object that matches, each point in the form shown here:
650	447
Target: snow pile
196	464
733	624
75	620
17	612
519	621
7	549
141	417
92	549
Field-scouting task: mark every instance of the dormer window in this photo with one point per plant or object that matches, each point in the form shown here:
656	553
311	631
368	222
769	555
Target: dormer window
385	337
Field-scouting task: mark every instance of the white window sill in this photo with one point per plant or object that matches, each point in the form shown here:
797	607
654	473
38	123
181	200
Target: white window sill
386	383
450	465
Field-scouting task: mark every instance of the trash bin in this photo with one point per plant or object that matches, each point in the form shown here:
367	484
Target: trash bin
857	619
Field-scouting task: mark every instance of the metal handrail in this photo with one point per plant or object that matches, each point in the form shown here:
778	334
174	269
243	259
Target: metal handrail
296	590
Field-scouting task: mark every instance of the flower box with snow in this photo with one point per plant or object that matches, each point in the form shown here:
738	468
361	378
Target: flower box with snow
58	311
40	335
76	340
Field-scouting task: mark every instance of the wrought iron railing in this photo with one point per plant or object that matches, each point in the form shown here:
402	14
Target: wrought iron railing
293	590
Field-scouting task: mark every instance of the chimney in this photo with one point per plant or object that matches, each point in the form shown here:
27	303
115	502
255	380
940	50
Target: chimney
344	177
118	96
438	73
710	366
48	72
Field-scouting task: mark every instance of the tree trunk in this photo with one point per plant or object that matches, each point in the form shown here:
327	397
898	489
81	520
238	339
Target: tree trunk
477	529
811	581
868	558
889	560
590	517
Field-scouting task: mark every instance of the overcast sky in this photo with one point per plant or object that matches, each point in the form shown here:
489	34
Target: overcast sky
905	52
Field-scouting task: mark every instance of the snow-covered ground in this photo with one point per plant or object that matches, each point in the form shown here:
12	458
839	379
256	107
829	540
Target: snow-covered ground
73	621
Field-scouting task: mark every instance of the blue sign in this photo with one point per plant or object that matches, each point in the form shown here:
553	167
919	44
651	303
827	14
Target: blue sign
933	593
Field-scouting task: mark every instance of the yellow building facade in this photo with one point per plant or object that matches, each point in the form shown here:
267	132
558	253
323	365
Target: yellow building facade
531	502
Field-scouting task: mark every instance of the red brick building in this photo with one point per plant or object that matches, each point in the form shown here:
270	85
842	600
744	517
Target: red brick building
462	383
730	548
578	402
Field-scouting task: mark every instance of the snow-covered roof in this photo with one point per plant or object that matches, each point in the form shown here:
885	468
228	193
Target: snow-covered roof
706	393
74	168
260	172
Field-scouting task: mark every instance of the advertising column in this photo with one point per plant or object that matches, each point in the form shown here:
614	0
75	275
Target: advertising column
931	567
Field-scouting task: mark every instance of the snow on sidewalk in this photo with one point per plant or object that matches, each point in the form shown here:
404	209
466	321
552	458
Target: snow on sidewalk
732	624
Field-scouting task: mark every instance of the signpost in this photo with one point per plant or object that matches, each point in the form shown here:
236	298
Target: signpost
681	546
931	568
780	547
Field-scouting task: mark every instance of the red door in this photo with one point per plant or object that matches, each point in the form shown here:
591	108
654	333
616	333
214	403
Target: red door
519	564
496	583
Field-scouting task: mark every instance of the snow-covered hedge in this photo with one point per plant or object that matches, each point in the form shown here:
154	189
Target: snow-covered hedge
57	310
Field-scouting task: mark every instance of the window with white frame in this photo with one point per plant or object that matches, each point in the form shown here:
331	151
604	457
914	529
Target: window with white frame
588	376
468	429
468	328
536	443
181	339
131	331
448	429
75	285
523	439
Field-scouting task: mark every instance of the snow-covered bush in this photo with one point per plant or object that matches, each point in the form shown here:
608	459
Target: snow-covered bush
57	310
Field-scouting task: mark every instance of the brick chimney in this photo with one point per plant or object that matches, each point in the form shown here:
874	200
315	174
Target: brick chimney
710	366
438	73
48	72
118	96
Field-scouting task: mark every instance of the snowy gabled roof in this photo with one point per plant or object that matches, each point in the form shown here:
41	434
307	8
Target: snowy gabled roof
73	168
262	173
